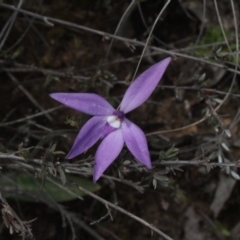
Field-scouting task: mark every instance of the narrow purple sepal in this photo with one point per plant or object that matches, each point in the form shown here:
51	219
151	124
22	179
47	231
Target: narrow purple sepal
136	142
107	152
140	90
89	103
107	129
89	134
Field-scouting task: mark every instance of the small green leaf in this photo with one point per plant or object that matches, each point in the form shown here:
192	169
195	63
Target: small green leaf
213	155
58	152
217	100
154	183
53	147
73	122
62	175
161	178
225	146
235	175
202	77
222	229
18	52
208	167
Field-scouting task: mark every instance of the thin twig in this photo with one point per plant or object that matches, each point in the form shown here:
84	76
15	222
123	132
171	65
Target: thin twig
10	24
202	24
147	28
197	162
135	42
30	117
221	25
176	129
114	206
24	33
109	204
77	170
208	90
8	115
149	37
236	57
40	126
31	68
126	13
29	96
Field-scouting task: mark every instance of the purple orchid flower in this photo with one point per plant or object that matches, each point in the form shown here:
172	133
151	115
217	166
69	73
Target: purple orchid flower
111	125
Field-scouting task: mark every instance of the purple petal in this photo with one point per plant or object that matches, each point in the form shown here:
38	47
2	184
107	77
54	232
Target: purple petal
89	103
140	90
107	129
136	142
107	152
88	135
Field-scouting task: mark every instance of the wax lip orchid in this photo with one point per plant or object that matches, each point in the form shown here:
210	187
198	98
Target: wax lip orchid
111	125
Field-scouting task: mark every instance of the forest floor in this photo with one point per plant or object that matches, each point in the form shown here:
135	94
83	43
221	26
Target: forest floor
191	120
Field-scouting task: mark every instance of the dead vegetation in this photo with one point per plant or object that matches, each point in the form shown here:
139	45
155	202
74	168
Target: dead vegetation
191	121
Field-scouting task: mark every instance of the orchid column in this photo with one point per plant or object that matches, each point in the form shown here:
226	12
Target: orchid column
111	125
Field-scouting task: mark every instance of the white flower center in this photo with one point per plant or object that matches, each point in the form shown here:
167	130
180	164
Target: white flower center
114	121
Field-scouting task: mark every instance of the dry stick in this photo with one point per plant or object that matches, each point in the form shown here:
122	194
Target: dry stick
145	45
75	170
127	182
25	32
31	68
195	123
134	42
126	13
163	162
49	199
47	19
197	163
203	23
13	17
147	27
177	129
40	126
30	117
235	120
69	24
236	30
221	25
5	27
237	48
64	213
28	95
149	37
183	162
8	115
233	80
107	203
193	162
23	224
212	225
211	90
